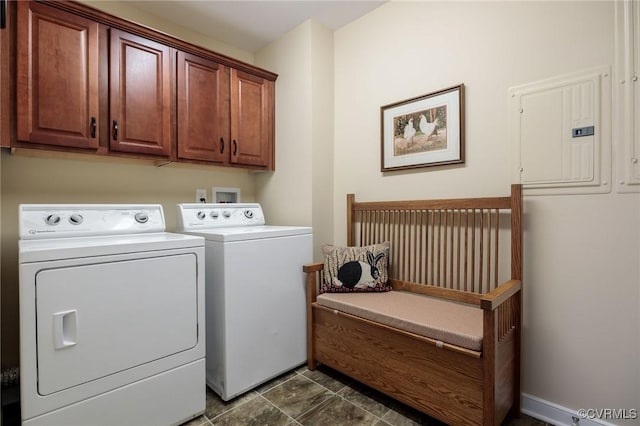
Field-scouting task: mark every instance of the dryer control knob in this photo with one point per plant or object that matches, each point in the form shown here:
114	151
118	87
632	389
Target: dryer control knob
214	214
52	219
226	214
141	217
201	215
76	219
248	214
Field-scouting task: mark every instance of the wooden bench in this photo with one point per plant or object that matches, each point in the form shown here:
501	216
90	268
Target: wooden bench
450	250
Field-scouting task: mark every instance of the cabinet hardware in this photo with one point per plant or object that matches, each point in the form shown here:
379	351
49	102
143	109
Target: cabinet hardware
235	147
115	130
221	145
94	126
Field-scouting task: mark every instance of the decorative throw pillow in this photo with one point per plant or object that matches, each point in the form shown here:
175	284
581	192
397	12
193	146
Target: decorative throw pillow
356	269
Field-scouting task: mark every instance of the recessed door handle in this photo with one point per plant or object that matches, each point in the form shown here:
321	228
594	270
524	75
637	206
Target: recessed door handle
65	329
235	147
221	145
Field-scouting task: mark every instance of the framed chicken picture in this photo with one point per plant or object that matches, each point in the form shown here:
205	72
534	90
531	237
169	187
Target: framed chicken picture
424	131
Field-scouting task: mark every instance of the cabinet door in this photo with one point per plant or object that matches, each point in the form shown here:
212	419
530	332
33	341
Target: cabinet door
251	120
203	109
57	77
6	59
140	95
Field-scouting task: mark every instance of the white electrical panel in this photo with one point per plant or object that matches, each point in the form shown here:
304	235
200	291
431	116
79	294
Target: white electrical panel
627	99
560	129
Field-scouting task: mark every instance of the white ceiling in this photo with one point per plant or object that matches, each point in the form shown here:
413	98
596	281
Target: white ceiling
251	25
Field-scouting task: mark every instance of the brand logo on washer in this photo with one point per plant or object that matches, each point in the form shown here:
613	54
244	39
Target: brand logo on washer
37	231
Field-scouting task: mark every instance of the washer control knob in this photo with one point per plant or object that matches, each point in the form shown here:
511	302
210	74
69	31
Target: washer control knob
248	214
201	215
52	219
141	217
214	214
76	219
226	214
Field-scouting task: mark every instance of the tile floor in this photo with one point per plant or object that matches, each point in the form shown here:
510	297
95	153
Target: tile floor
317	398
310	398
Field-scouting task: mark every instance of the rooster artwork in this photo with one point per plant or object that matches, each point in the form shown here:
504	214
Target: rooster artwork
430	135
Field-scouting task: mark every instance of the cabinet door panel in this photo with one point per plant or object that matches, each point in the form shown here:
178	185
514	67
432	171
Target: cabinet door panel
251	120
203	109
57	77
7	56
140	89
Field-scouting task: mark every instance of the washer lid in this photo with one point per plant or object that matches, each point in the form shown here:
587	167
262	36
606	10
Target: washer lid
245	233
71	248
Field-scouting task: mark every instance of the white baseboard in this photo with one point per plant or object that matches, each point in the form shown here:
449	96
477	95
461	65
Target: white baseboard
554	414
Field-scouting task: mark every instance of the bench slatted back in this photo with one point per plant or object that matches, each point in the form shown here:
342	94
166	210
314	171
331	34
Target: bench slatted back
454	244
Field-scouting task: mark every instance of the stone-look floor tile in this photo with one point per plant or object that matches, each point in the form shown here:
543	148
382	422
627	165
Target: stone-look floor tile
330	379
216	406
367	398
275	382
255	412
523	420
301	369
297	396
198	421
403	415
337	410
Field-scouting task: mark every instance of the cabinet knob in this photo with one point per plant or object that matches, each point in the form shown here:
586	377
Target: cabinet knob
115	130
221	145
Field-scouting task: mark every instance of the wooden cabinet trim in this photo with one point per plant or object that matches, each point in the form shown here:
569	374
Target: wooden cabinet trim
7	77
158	36
68	117
128	137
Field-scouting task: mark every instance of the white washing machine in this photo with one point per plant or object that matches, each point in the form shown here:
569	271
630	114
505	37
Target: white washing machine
255	294
111	317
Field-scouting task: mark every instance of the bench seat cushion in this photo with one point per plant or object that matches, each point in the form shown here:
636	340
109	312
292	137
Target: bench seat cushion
441	320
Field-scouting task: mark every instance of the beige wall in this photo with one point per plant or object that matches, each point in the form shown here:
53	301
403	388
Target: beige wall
123	9
85	179
300	192
581	274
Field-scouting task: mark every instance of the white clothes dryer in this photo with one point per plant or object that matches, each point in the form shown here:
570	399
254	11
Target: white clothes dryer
255	294
111	317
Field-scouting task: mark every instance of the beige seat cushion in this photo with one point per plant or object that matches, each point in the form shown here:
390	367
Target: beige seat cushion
448	322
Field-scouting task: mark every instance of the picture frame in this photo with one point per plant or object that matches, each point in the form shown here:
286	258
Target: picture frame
424	131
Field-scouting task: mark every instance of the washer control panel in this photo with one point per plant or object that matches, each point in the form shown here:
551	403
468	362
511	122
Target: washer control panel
66	220
218	215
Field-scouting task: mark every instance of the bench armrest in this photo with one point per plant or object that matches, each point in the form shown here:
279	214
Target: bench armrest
495	298
312	267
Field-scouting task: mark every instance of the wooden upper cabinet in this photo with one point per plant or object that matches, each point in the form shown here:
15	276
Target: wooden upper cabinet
203	109
252	122
57	77
6	60
140	95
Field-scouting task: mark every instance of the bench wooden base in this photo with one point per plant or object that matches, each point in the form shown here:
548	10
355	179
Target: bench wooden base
455	385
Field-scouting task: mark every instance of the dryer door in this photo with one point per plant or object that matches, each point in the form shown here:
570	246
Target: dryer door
98	319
